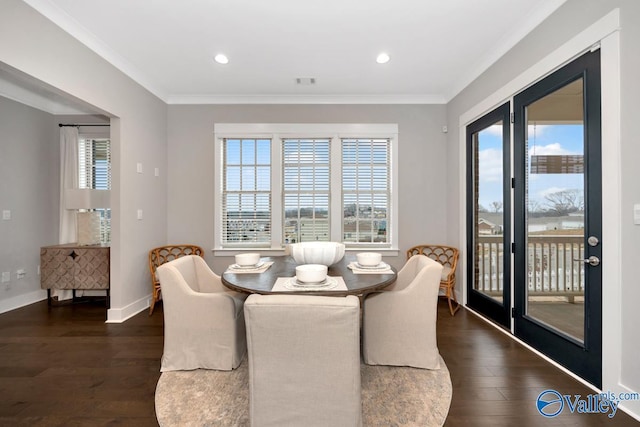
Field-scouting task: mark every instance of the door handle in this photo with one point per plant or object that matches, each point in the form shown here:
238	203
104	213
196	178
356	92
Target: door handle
593	261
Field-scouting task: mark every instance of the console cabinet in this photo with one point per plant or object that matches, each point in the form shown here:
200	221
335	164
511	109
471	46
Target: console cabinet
71	266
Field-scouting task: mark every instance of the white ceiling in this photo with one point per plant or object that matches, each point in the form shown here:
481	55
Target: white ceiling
437	47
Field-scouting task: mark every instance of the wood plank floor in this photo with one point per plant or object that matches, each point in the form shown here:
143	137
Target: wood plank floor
63	366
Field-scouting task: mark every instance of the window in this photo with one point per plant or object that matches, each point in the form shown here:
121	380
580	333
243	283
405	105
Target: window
94	171
306	169
365	190
246	194
287	183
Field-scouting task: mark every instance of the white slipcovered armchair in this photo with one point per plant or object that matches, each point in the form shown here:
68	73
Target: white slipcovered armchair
203	320
399	326
304	361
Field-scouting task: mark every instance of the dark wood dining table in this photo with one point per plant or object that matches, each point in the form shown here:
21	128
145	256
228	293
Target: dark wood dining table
285	266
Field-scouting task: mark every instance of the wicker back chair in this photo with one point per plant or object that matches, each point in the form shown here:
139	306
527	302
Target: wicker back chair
162	254
448	257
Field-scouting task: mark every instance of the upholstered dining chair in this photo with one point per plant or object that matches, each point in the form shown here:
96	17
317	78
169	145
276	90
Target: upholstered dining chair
304	360
399	323
448	257
162	254
203	321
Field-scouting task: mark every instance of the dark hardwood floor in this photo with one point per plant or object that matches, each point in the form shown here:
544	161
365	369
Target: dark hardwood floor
63	366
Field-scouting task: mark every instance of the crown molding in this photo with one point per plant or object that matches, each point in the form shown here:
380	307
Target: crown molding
304	99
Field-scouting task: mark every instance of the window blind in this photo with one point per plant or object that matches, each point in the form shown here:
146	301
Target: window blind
94	171
365	190
246	192
306	184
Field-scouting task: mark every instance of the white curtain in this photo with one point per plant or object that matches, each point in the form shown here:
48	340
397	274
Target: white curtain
68	180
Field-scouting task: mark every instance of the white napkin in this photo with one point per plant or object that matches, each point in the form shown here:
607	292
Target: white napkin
264	267
356	270
283	285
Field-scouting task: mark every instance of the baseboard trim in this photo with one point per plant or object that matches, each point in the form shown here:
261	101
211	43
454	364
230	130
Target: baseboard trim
119	315
20	301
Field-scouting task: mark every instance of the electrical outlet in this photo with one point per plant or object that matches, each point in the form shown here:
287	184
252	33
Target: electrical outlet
6	276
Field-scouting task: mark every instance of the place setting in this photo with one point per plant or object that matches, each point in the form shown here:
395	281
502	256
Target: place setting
249	263
310	277
369	263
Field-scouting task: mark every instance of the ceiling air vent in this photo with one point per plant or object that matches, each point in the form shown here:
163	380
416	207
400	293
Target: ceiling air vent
306	81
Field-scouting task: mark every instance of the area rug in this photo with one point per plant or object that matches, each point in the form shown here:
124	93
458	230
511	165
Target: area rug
391	396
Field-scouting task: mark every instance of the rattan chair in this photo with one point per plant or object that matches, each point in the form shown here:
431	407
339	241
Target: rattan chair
162	254
448	257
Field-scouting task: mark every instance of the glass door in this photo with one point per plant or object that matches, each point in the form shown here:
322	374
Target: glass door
488	198
557	216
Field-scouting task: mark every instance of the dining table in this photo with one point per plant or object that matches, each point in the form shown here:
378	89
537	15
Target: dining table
263	282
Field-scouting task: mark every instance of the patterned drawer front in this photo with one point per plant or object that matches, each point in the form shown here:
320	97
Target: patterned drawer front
56	268
67	267
92	269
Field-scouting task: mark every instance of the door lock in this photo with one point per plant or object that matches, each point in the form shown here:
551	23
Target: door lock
593	261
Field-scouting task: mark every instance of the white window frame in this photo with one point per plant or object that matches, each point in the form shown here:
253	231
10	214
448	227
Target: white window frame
279	131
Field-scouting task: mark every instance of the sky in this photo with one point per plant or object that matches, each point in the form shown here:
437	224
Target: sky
543	139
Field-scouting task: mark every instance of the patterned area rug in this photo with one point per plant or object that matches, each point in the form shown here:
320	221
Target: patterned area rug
391	396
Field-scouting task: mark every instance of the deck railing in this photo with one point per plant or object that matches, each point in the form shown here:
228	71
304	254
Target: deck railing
552	270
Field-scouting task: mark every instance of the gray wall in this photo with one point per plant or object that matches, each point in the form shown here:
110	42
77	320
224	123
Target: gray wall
422	146
621	366
40	49
29	189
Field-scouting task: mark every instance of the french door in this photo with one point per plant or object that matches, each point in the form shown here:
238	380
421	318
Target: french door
489	196
558	247
556	219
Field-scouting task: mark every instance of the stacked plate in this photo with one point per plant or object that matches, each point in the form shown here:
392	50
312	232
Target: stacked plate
382	266
238	267
295	284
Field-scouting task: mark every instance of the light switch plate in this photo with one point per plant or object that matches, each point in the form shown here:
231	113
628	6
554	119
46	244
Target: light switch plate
6	215
636	214
6	276
139	167
139	213
157	171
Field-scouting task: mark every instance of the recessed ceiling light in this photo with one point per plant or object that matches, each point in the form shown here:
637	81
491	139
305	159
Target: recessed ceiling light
383	58
221	59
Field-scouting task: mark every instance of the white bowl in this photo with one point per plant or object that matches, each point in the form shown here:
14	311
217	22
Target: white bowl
369	259
311	273
325	253
247	259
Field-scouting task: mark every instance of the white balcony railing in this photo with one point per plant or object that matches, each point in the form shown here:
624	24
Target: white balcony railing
552	270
